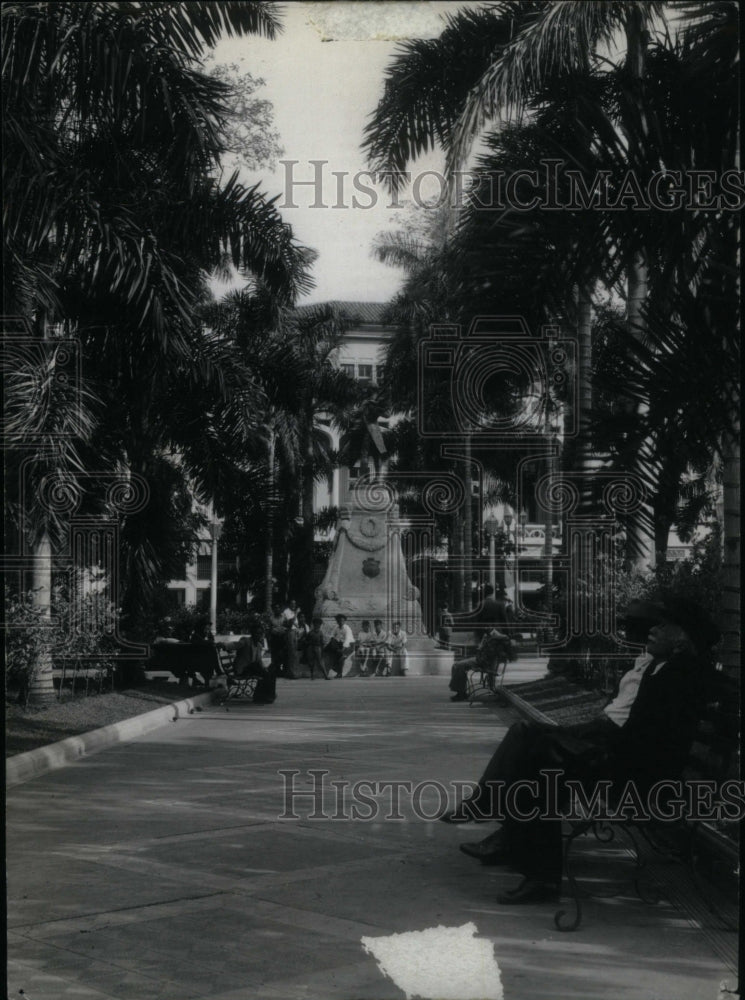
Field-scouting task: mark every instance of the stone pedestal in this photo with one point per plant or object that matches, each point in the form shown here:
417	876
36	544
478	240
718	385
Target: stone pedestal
366	578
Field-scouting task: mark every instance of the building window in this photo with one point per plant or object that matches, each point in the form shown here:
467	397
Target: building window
348	370
378	374
358	470
365	373
204	567
176	597
203	598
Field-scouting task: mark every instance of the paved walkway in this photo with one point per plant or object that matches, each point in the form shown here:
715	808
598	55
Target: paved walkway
160	869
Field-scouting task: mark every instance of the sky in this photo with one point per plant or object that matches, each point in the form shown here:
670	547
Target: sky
324	75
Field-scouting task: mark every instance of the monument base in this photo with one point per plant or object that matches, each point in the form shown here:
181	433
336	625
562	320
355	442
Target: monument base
429	662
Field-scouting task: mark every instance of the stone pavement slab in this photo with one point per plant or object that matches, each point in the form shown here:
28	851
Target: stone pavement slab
160	867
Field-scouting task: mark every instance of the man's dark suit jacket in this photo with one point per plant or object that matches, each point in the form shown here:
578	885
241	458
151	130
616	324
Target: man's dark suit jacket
493	612
655	740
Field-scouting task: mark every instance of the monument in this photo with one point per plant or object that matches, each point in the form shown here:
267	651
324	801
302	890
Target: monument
366	575
367	578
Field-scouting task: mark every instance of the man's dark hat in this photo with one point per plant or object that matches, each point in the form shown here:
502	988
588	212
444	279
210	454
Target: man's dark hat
693	619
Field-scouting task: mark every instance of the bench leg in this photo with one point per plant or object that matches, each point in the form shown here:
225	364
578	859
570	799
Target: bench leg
239	687
604	832
560	917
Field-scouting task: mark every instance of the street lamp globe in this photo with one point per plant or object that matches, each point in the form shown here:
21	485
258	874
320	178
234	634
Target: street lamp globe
491	526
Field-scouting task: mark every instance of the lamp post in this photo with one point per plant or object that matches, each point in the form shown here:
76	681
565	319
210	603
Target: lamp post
215	532
523	522
491	527
508	519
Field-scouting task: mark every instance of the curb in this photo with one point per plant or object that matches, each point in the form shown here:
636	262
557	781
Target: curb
25	766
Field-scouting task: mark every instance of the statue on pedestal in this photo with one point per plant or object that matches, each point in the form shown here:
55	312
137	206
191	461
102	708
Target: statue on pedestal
366	577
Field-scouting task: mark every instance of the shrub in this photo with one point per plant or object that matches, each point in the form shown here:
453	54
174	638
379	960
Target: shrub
78	629
27	638
236	621
184	623
698	578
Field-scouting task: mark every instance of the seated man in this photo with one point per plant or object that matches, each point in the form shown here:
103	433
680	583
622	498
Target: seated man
363	649
380	656
642	736
340	645
493	649
248	662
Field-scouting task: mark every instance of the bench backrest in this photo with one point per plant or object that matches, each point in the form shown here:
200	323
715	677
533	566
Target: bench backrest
185	656
713	755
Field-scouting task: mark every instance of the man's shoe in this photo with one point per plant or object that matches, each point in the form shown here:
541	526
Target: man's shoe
459	697
531	891
492	850
486	857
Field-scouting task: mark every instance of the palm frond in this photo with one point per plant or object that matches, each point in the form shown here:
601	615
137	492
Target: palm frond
559	39
427	83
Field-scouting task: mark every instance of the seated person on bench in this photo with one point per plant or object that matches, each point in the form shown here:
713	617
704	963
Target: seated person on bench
494	648
248	661
363	648
644	736
379	663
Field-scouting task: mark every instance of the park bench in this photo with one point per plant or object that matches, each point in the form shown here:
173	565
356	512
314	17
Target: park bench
184	659
486	682
701	845
227	685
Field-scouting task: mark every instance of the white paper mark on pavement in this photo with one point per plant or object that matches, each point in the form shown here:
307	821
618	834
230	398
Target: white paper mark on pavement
446	963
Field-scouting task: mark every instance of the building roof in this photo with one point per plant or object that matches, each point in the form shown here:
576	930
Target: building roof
359	312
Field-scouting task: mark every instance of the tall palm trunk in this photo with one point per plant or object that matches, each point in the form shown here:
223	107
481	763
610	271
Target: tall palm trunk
269	558
582	586
640	527
468	528
584	454
41	684
305	574
457	551
548	518
731	596
640	530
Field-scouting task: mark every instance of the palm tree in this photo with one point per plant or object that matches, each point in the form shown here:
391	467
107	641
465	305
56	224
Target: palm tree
114	125
48	419
114	213
310	337
550	41
532	45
